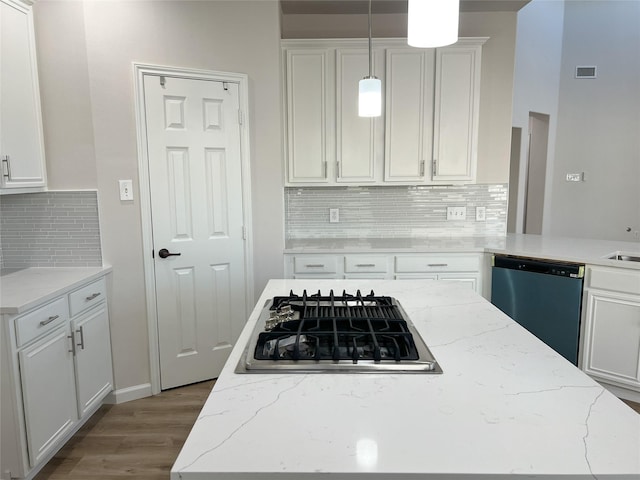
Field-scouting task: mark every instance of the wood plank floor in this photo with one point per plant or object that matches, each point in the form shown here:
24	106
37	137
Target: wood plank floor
135	440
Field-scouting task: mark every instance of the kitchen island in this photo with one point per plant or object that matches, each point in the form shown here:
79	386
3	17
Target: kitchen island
506	406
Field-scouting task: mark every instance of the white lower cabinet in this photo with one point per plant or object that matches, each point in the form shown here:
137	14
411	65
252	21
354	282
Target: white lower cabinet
611	331
94	372
452	267
48	392
57	370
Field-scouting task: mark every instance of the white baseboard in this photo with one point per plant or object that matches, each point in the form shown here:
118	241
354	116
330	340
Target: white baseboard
130	393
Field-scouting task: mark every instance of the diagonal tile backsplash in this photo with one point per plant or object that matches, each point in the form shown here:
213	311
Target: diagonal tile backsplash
394	212
50	229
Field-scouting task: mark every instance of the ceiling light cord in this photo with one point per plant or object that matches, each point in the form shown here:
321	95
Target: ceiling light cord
370	59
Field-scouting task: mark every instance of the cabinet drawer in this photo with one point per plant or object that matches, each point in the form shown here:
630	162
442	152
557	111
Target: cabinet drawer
614	279
87	296
437	263
315	264
364	264
41	320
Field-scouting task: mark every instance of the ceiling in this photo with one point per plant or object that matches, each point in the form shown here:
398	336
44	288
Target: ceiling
291	7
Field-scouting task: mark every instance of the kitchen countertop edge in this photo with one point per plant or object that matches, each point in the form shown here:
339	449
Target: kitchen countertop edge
25	289
586	251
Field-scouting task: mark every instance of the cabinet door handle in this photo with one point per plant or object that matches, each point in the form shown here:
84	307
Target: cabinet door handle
6	160
92	296
365	264
81	332
314	265
325	169
73	344
437	265
48	320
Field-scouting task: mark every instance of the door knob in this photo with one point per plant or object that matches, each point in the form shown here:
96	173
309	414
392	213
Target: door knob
164	253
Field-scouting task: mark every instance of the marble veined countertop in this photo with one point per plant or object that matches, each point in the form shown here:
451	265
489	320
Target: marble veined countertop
506	406
579	250
21	290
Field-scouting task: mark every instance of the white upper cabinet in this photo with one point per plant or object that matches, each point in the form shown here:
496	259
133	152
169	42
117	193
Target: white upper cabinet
307	84
457	103
359	146
409	119
427	134
21	141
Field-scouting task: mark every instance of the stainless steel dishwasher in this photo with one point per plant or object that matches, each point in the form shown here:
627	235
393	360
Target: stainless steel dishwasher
543	296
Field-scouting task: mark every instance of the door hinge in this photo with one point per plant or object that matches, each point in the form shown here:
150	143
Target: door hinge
244	233
240	119
163	80
435	166
153	253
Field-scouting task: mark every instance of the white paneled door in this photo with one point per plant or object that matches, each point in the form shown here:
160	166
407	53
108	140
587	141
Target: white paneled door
193	143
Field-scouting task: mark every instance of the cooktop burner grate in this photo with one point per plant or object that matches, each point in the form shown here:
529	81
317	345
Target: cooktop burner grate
315	333
345	327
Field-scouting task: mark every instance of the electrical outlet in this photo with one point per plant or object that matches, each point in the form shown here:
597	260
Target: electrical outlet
334	215
126	189
481	214
456	213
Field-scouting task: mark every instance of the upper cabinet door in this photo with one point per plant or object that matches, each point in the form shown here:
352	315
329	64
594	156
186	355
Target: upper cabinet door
358	139
456	112
21	141
307	93
409	103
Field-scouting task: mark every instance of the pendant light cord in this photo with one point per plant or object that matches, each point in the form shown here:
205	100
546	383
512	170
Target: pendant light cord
370	63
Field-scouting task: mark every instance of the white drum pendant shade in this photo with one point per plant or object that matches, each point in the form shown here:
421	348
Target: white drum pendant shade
432	23
370	97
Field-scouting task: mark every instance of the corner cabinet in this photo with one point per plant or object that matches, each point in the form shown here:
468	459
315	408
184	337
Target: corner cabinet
57	370
611	327
428	131
21	140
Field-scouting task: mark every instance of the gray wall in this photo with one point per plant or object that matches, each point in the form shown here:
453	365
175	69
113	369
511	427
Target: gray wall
599	122
86	50
594	123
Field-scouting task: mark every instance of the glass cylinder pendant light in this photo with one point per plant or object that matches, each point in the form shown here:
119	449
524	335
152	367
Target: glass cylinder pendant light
432	23
370	88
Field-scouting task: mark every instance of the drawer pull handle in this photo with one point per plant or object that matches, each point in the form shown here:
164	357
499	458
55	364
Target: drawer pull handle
437	265
314	265
365	264
81	332
92	296
48	320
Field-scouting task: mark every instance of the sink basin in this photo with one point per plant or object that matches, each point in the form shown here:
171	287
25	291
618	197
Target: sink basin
624	256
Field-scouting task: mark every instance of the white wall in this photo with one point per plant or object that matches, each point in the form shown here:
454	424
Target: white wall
89	121
598	129
536	84
497	70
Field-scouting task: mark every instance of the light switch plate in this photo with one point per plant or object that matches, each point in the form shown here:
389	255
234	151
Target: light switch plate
334	215
456	213
481	214
126	189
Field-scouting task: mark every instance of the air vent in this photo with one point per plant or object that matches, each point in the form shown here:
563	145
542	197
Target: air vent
586	72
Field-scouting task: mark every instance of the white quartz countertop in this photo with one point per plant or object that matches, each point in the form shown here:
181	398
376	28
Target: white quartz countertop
537	246
506	406
21	290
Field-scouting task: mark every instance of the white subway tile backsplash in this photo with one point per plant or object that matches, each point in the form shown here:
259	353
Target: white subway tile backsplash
394	212
50	229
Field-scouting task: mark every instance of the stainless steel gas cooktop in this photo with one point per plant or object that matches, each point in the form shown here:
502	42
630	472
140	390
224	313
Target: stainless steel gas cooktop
335	334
